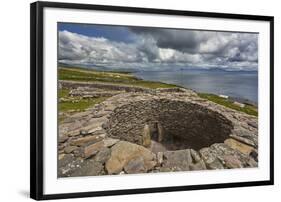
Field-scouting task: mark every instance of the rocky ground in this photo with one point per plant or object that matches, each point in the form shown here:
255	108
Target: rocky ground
117	135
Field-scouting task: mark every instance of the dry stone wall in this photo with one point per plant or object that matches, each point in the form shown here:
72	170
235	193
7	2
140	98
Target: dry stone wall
189	122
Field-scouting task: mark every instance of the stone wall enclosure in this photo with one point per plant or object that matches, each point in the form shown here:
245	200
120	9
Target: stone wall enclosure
176	124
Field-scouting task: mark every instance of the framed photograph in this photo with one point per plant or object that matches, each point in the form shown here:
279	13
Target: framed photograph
131	100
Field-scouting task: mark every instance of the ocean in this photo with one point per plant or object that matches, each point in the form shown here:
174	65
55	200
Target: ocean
239	84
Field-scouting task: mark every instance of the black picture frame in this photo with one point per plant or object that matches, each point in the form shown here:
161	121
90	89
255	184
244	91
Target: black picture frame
36	99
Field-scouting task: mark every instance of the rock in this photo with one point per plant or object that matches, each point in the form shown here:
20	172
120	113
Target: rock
146	136
215	165
110	142
179	160
195	155
164	169
100	114
156	147
65	159
135	166
123	152
103	155
62	139
61	156
160	131
207	155
79	152
73	133
236	145
81	114
149	165
83	132
252	163
159	158
254	155
244	140
95	124
97	130
88	168
254	124
70	149
84	140
232	162
93	149
200	165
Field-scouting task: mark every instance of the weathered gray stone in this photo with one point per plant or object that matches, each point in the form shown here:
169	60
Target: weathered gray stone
66	159
84	140
93	149
160	132
200	165
69	149
195	155
62	139
88	168
135	166
234	144
146	136
103	155
254	124
232	162
159	158
109	142
215	165
244	140
179	160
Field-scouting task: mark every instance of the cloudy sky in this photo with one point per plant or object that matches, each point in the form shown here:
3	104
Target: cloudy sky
155	48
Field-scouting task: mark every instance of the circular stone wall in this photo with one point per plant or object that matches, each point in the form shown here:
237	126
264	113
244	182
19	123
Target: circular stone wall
176	124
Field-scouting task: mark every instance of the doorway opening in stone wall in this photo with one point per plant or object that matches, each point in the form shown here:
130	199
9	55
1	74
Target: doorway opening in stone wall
146	100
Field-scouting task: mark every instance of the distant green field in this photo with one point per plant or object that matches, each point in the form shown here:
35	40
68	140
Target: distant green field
248	109
78	74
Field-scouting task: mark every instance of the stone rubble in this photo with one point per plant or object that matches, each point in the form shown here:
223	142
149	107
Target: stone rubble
113	138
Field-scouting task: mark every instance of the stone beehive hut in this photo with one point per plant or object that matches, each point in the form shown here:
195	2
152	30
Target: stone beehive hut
156	131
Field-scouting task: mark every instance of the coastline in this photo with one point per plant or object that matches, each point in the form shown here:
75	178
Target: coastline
113	80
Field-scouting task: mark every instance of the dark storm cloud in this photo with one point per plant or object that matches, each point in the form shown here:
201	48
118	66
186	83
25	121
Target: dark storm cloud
183	40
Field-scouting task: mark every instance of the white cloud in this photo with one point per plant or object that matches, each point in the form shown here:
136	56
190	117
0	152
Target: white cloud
157	47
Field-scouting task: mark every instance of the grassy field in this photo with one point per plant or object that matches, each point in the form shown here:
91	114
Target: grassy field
248	109
77	74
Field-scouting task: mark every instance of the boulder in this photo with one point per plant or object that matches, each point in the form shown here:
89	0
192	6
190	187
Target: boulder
123	152
179	160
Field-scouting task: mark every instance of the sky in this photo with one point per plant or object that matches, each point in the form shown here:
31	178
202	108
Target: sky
150	48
